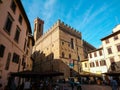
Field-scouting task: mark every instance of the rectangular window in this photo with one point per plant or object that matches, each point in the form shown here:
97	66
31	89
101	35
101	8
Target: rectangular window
8	61
17	34
102	62
109	51
62	42
20	19
85	64
92	64
8	24
107	41
116	37
95	54
100	52
35	27
97	64
2	49
90	55
25	44
118	48
72	44
13	6
15	58
39	27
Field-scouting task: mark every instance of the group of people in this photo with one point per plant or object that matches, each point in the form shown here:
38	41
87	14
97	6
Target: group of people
26	84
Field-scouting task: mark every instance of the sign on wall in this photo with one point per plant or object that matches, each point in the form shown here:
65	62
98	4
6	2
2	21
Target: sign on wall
71	63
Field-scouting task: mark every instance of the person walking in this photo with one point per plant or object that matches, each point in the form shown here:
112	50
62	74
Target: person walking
27	85
114	84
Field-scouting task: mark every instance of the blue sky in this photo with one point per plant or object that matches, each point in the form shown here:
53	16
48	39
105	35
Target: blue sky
95	19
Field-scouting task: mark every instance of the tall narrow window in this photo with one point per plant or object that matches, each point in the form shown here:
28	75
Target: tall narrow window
104	62
39	27
85	64
2	49
109	51
95	54
25	44
118	48
8	61
15	58
8	24
13	6
17	34
90	55
70	56
97	64
72	43
20	19
78	58
35	28
100	52
63	55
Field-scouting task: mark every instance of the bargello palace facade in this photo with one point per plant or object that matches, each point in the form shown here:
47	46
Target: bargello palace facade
60	49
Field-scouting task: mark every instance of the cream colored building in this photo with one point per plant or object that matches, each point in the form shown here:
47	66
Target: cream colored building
14	35
97	62
61	44
111	47
85	66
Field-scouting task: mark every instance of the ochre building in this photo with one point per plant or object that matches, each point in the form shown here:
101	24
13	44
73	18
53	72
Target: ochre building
15	40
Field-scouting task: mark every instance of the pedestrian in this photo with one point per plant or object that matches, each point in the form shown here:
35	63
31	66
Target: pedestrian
27	85
114	84
72	84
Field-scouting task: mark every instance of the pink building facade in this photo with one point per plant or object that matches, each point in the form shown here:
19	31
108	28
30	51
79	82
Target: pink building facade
14	34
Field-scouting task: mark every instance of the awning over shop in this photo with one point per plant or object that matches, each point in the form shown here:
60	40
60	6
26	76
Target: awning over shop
88	74
32	74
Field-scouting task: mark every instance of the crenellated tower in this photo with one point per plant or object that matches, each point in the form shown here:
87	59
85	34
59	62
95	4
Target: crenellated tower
38	28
